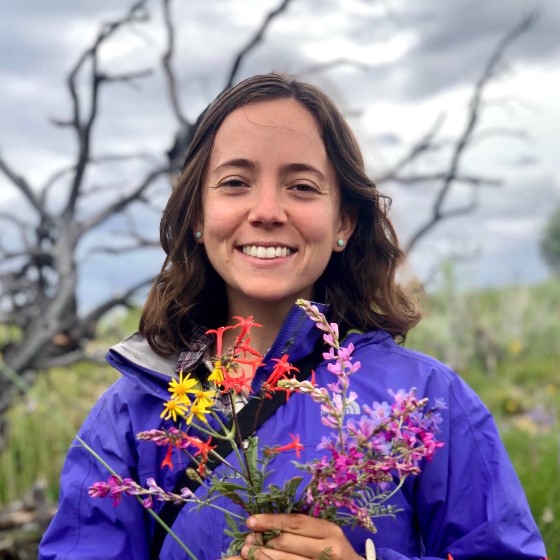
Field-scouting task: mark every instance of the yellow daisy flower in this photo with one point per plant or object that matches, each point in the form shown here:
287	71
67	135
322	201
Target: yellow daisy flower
204	398
172	408
199	411
179	389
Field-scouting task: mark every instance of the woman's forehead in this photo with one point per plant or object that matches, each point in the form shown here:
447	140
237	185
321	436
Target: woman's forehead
281	126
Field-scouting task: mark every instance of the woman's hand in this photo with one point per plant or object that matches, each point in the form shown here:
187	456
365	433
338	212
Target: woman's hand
300	537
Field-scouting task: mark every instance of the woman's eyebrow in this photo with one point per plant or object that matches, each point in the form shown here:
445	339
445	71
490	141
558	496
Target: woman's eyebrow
244	163
305	167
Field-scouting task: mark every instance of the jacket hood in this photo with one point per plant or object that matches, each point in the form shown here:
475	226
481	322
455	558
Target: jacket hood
137	362
135	349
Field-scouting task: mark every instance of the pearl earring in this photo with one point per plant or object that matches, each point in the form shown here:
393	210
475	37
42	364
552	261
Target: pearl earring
198	234
340	242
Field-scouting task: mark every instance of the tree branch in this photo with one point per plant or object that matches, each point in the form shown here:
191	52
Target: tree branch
120	204
70	358
95	314
472	180
83	124
126	78
465	139
425	144
167	66
254	41
23	186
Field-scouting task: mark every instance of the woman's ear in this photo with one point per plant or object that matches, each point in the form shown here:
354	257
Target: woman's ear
346	226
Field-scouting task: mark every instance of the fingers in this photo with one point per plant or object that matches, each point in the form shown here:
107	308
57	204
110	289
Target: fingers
266	553
298	536
286	545
295	523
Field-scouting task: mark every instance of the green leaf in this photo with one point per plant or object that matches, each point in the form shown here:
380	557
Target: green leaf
292	485
252	454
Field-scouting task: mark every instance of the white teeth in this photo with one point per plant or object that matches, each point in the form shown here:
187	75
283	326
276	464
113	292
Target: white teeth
266	252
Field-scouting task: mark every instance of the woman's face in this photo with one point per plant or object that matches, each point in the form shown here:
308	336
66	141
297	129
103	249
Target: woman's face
271	205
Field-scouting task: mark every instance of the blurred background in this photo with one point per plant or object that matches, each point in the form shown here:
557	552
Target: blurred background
455	106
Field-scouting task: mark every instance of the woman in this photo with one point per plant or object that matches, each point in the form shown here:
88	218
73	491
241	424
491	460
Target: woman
273	205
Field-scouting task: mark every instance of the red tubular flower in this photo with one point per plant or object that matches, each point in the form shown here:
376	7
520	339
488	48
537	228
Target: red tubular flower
269	390
312	378
202	447
243	350
175	440
219	332
295	445
238	384
254	364
167	462
281	370
246	324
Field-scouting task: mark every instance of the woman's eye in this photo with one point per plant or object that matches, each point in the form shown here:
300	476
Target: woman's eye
304	187
234	183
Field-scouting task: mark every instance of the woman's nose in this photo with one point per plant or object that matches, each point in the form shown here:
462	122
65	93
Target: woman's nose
268	207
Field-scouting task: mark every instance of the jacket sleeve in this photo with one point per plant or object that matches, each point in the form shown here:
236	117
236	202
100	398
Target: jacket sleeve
86	528
469	502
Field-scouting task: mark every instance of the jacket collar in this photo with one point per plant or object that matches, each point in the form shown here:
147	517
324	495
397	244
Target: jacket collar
135	360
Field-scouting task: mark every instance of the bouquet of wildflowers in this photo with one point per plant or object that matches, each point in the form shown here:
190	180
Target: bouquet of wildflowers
348	485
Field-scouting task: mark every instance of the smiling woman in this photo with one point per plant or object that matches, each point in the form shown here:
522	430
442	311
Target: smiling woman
271	207
274	205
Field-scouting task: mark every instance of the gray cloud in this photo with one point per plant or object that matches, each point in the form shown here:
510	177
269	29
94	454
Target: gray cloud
454	40
449	45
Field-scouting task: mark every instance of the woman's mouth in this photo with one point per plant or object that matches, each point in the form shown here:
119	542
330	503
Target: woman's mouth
261	252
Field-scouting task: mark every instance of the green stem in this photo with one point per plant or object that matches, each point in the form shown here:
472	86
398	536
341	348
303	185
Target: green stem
219	508
192	458
211	432
230	435
240	440
172	534
397	488
150	511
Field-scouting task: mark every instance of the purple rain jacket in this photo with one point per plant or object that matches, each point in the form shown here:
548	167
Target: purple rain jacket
467	502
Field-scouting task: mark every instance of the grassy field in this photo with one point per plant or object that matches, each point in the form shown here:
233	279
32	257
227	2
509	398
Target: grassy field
505	343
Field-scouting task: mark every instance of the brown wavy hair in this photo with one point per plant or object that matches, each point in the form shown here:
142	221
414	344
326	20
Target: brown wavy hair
359	282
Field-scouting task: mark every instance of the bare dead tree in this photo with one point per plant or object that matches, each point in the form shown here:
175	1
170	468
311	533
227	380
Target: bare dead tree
451	174
42	325
39	279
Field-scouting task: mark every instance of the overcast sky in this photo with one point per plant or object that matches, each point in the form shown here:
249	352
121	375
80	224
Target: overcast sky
418	61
